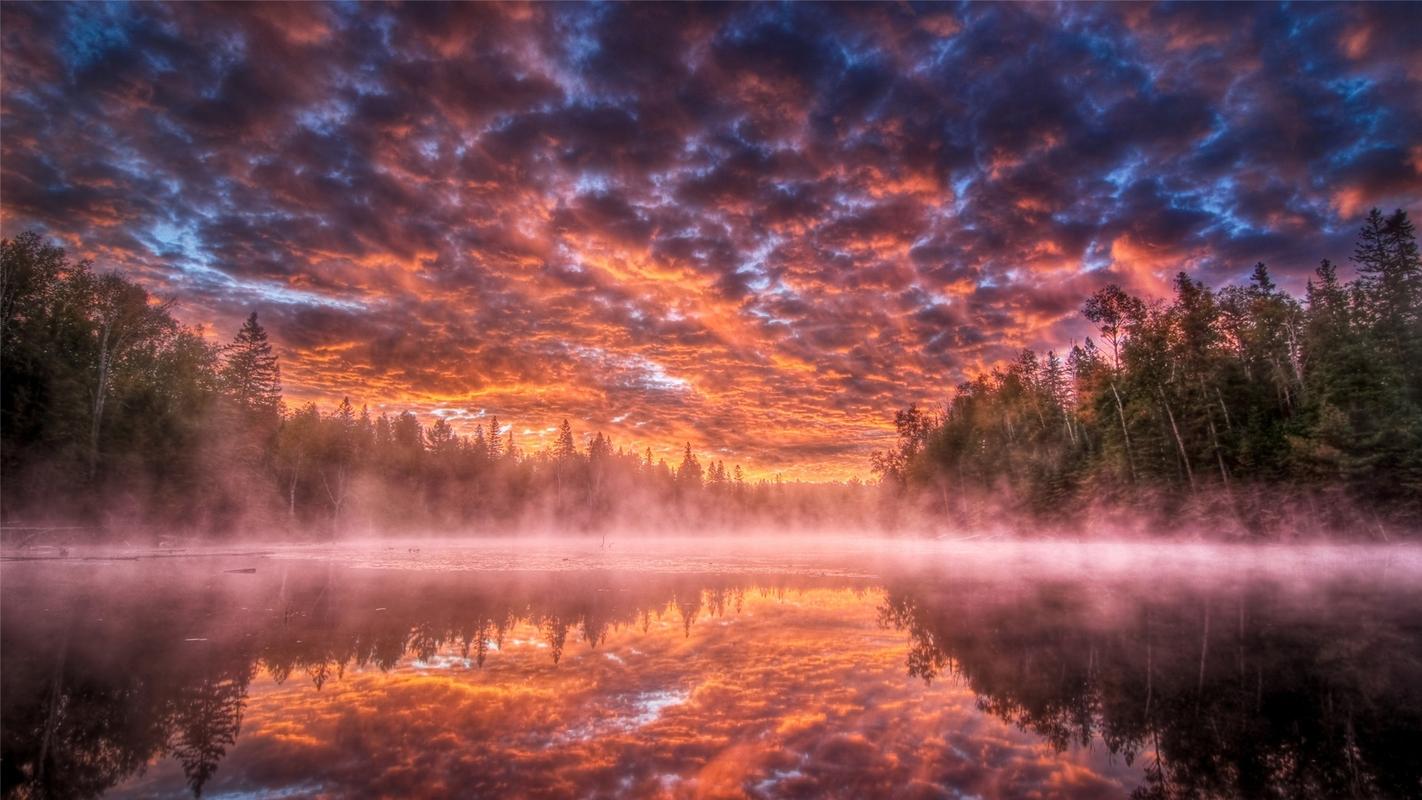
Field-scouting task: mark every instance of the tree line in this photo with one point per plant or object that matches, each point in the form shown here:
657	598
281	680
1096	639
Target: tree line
116	415
1244	408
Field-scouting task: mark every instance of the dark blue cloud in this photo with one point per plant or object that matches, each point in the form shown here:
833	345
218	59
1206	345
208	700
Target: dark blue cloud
743	192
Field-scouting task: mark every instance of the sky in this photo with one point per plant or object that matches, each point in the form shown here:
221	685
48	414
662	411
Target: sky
759	229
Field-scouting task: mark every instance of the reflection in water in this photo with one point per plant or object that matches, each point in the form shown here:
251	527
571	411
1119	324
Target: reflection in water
138	679
1234	690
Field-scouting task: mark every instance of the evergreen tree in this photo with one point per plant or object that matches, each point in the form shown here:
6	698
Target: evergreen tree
600	449
1222	404
442	438
565	448
689	473
481	444
1390	292
495	445
250	372
1389	271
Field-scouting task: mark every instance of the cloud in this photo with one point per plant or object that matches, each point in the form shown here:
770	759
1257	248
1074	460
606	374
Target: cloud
757	228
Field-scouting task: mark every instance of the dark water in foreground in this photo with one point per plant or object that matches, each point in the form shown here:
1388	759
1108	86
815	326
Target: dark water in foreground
864	670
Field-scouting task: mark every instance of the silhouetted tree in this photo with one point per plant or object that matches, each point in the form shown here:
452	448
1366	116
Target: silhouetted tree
1238	405
688	474
565	448
250	371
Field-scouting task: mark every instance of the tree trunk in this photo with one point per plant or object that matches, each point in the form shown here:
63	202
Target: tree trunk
1214	434
1179	443
1228	425
338	497
100	393
1219	456
1295	359
1125	432
291	492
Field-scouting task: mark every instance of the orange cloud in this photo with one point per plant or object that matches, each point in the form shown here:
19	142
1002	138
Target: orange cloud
757	230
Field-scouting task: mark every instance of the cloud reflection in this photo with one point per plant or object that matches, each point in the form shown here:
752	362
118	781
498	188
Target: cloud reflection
1000	678
802	695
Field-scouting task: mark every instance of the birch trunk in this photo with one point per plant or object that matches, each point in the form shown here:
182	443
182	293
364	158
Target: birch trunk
1179	443
1125	432
101	390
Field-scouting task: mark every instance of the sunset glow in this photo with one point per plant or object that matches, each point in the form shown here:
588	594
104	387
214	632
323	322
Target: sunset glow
990	400
654	713
995	672
757	229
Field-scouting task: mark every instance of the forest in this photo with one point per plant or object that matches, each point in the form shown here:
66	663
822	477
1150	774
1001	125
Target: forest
1244	411
117	418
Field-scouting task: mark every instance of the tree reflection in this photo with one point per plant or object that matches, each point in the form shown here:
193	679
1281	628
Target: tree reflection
208	719
1242	690
89	703
1225	689
81	717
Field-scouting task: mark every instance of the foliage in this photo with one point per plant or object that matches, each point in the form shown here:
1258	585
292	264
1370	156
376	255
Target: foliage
115	415
1241	406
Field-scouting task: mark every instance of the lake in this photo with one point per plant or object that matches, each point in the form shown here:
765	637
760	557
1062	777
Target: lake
713	668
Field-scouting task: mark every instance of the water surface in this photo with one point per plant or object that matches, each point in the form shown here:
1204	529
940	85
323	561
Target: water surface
711	668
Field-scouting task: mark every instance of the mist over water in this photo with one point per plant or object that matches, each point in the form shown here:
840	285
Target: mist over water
765	667
651	400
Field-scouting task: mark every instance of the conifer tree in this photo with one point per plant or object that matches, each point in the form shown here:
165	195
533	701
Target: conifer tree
689	473
1390	292
250	372
495	446
481	445
565	448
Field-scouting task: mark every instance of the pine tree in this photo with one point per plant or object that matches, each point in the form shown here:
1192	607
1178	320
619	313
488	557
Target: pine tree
600	449
481	445
250	372
1390	280
495	447
689	473
565	448
442	438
